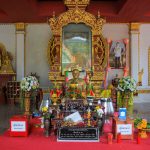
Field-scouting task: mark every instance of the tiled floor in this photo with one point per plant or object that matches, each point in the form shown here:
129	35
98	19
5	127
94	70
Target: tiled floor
141	108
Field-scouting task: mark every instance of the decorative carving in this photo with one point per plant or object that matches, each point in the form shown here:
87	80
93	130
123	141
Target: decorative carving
5	63
20	26
51	51
135	26
99	51
72	3
77	14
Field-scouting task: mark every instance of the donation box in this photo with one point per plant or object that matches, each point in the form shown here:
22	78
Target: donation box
19	126
125	128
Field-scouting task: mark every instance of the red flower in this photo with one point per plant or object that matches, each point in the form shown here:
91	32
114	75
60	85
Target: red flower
51	92
58	92
91	93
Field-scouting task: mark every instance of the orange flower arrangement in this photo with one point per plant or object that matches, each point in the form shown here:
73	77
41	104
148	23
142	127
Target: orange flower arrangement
142	124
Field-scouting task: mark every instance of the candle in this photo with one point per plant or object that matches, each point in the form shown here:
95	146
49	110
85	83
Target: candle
66	73
119	138
138	139
109	138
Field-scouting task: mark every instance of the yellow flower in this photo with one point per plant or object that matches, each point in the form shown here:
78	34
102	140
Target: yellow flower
97	107
44	109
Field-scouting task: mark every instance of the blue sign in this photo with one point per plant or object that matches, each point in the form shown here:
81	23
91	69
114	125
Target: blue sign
122	113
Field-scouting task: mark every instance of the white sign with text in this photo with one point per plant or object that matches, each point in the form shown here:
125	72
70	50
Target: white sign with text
124	129
19	126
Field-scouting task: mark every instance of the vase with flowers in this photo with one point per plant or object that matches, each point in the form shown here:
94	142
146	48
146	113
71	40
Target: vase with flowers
28	85
126	87
47	120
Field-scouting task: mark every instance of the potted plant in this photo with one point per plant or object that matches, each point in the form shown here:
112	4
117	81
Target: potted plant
28	85
126	87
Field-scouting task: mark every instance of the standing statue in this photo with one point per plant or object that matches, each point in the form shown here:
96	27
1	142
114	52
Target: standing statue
140	75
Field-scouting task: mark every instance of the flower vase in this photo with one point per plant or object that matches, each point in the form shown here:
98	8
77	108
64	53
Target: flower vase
47	127
143	134
27	103
125	99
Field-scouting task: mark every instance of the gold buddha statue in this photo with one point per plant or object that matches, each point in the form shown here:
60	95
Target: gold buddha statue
6	67
76	85
76	79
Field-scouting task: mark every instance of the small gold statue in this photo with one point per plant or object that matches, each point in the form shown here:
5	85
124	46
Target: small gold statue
76	79
76	85
140	75
6	67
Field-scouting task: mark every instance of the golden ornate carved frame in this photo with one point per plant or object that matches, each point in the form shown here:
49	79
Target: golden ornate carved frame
77	14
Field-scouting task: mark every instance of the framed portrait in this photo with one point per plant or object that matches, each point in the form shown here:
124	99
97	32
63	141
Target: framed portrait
76	46
117	58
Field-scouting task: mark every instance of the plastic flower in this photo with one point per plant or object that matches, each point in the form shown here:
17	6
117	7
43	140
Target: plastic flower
44	109
140	123
29	83
127	84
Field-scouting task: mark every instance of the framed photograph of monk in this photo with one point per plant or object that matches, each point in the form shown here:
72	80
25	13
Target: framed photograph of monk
76	47
117	57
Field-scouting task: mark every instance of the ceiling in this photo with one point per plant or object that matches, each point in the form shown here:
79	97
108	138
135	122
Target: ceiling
31	11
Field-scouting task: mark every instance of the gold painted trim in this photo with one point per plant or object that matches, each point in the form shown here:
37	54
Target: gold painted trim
143	91
135	26
77	15
99	45
20	26
72	3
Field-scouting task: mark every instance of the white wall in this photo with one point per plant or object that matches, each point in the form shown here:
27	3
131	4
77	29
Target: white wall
37	36
116	32
8	39
144	45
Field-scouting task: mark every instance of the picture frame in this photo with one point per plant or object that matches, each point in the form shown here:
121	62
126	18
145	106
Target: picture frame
76	47
117	54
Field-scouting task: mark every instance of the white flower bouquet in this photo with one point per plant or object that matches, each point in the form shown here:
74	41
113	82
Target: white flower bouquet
29	83
126	87
127	84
